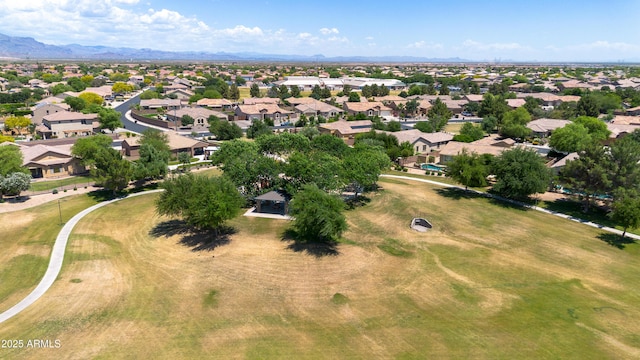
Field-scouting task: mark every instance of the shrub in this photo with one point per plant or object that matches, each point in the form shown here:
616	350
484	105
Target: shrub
55	191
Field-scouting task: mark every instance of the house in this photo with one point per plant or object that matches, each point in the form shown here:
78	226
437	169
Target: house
313	107
515	103
557	166
420	141
200	115
261	112
346	130
547	98
64	124
177	144
544	127
180	94
215	104
40	110
167	104
49	162
491	145
372	108
634	111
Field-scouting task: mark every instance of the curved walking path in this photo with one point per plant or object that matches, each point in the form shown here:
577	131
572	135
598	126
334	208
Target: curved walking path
57	256
537	208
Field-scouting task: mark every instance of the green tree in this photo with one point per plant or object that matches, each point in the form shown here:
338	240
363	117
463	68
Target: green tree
254	90
223	129
588	106
86	148
329	144
489	124
472	131
624	159
626	209
257	128
11	160
317	215
573	137
109	119
514	123
439	109
317	167
149	94
393	126
589	174
363	165
354	97
468	169
76	103
597	128
493	106
295	91
520	172
247	167
203	202
234	92
111	170
184	158
186	120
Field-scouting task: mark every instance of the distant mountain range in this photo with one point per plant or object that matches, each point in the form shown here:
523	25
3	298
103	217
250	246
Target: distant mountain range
29	48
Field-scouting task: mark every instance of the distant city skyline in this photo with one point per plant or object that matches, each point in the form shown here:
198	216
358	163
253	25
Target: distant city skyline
543	30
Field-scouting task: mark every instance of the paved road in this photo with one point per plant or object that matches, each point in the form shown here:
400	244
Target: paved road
565	216
123	108
57	256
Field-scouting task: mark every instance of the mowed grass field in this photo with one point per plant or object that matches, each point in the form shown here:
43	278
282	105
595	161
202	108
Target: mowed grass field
489	281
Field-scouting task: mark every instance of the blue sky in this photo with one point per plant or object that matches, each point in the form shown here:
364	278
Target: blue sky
542	30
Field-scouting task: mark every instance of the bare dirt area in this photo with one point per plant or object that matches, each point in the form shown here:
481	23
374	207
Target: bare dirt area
488	281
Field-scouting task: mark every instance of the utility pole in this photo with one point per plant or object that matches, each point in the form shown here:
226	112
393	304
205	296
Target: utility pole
60	211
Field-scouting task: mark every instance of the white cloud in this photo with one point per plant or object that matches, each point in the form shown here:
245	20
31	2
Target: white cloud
605	45
327	31
369	38
133	23
424	45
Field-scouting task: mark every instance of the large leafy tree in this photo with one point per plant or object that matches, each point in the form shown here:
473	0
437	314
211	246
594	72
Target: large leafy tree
624	159
589	174
111	170
257	128
494	106
248	169
317	215
588	106
472	131
514	123
363	165
520	172
468	169
282	144
11	160
597	128
76	103
570	138
223	129
439	115
87	148
109	119
626	209
317	167
154	155
203	202
254	90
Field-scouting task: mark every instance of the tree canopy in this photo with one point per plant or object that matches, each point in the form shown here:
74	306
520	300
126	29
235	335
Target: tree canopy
11	160
520	172
223	129
109	119
468	169
317	215
202	202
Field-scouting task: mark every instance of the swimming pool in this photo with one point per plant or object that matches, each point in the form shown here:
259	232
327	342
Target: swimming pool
432	167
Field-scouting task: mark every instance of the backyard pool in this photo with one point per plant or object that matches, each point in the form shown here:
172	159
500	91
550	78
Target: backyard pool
432	167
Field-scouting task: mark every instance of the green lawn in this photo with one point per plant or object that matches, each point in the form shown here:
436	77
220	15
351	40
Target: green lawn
79	181
489	281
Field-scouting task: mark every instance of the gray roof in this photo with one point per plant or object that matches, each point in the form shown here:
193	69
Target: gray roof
272	196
